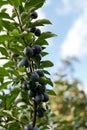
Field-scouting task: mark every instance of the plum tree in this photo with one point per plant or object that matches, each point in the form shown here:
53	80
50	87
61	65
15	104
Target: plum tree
23	77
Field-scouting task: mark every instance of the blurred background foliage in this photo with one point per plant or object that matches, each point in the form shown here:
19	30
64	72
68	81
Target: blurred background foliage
69	106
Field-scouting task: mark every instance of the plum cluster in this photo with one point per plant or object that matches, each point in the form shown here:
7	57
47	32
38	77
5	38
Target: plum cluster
29	127
36	89
30	52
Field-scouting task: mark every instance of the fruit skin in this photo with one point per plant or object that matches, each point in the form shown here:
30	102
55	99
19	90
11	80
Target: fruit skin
37	32
77	126
33	29
38	57
14	55
40	72
39	98
35	128
34	15
37	49
40	113
26	86
27	127
46	97
41	89
34	76
31	94
24	62
28	51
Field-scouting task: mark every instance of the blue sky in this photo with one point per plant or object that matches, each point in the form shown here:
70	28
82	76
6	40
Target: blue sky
69	18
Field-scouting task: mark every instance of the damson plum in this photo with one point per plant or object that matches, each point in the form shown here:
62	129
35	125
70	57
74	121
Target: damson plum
37	32
40	72
14	55
40	113
34	76
24	62
28	51
34	15
28	127
31	94
39	98
33	29
38	57
37	49
41	89
35	128
25	85
46	97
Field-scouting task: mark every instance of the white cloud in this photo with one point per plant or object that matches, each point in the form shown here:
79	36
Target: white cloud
68	6
48	2
41	14
75	42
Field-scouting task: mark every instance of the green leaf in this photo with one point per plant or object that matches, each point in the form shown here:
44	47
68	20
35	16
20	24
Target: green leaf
14	126
3	3
3	72
8	64
3	51
5	15
5	85
44	53
48	80
50	92
41	42
4	38
45	64
40	22
14	2
46	35
34	3
45	80
46	72
11	97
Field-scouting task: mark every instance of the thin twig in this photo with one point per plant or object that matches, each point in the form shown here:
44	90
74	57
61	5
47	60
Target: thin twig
35	110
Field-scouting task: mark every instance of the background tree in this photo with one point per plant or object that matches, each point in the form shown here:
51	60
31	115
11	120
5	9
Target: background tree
23	78
69	106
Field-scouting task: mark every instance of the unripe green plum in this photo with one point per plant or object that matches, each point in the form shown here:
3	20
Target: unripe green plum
15	32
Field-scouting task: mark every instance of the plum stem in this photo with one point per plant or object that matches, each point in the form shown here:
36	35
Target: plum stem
35	112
